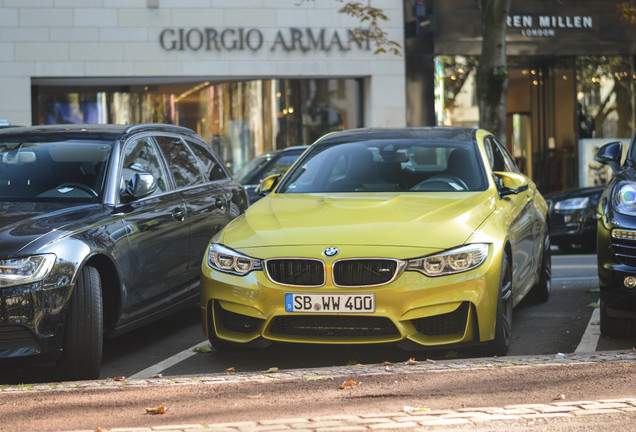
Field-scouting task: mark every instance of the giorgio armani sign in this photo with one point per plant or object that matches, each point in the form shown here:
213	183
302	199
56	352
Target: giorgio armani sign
252	39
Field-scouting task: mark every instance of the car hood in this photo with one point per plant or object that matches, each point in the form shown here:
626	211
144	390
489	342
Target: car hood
433	220
27	224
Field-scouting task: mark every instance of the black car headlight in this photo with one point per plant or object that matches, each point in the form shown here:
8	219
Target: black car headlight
25	270
571	204
452	261
624	198
228	260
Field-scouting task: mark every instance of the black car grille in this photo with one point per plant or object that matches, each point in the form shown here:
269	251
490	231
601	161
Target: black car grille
624	250
296	272
444	324
335	326
12	337
364	272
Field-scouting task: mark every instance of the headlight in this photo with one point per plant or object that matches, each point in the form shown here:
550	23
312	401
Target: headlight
572	204
230	261
451	261
25	270
625	198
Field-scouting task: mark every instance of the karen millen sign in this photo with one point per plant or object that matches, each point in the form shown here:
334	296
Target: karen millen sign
242	39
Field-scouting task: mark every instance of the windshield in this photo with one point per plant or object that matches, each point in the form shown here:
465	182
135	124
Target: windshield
246	173
66	170
388	166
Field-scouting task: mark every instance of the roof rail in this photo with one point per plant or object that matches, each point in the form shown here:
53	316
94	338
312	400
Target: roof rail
142	126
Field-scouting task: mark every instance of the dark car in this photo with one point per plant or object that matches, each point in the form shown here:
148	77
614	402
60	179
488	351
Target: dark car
617	242
102	229
573	218
265	165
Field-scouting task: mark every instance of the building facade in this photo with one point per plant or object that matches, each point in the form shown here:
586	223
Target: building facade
571	80
249	76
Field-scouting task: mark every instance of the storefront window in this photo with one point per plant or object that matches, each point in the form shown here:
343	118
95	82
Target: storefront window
604	110
605	102
455	91
239	119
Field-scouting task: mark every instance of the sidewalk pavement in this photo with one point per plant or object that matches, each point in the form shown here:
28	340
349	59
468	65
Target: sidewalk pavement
620	412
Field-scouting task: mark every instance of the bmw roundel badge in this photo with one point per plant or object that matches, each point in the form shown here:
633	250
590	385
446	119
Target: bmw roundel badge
331	252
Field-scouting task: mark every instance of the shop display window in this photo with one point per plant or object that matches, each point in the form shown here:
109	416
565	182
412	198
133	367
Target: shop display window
240	119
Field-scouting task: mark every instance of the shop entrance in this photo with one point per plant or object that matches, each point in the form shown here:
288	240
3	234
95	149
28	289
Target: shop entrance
541	123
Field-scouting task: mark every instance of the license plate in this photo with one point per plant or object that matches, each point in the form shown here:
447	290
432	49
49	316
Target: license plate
330	303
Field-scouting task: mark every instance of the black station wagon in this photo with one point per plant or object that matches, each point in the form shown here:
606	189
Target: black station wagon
102	228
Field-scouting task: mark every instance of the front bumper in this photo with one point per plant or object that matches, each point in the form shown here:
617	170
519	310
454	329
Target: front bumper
616	262
31	320
447	310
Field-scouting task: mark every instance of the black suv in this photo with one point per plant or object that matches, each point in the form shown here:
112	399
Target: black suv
616	238
102	229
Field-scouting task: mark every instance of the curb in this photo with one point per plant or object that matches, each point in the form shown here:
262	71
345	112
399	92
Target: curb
409	418
334	372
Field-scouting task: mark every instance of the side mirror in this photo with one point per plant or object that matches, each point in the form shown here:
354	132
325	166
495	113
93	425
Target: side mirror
509	183
141	185
610	154
267	184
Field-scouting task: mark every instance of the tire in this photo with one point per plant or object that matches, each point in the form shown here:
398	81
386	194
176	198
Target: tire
83	329
615	327
541	291
503	324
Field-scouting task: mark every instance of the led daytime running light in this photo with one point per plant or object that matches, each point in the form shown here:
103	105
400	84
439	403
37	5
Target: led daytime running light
623	234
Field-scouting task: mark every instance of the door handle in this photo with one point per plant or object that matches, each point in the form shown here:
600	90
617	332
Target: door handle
178	214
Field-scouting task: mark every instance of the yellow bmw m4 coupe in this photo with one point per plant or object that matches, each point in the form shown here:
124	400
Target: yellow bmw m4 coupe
426	237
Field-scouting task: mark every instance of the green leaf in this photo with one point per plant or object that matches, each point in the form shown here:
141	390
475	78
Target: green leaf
594	305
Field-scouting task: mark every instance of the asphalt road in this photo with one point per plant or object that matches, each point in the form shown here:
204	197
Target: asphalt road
557	326
562	325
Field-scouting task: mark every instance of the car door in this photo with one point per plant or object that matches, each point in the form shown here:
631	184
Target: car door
522	218
206	201
156	231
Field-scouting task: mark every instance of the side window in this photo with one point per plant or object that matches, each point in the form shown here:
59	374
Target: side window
496	157
142	156
509	162
281	165
182	163
211	166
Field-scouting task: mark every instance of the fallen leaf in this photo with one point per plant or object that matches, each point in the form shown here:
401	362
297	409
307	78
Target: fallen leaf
412	361
347	384
386	363
157	375
414	409
352	362
431	361
231	369
272	370
203	349
119	378
257	396
594	305
161	409
560	396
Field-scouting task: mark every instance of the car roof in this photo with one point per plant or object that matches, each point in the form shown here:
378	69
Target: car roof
98	131
450	133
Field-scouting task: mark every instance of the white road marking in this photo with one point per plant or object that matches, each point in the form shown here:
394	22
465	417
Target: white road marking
149	372
589	341
575	278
